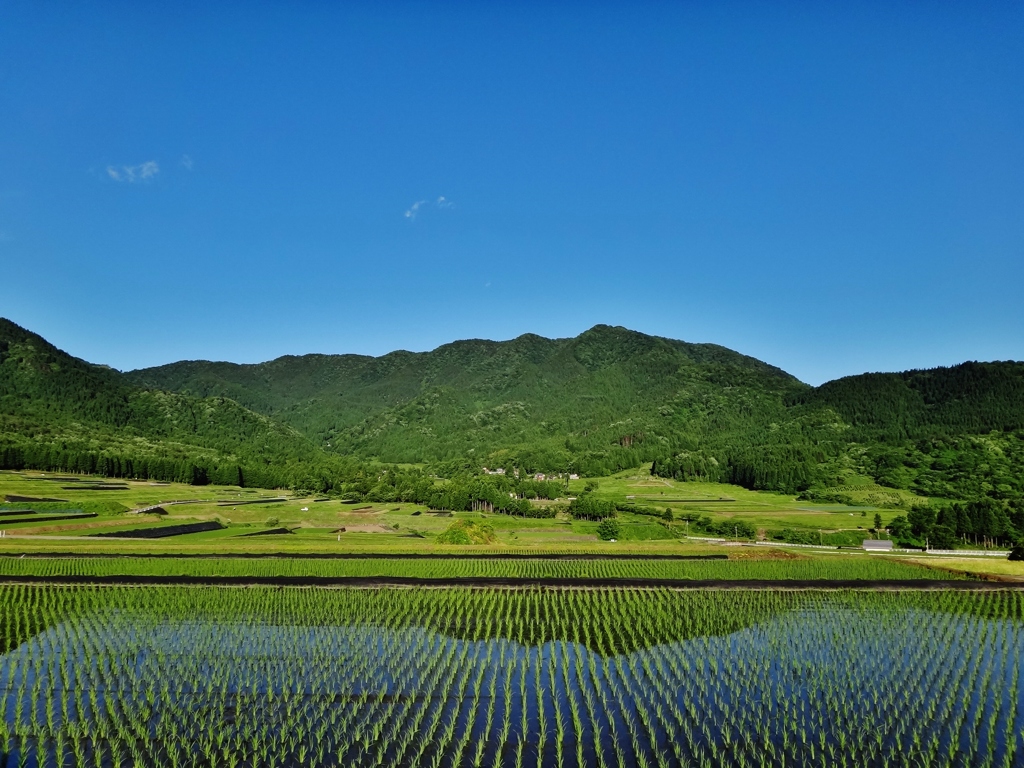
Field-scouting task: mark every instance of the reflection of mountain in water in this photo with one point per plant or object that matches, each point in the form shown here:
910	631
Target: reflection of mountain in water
608	621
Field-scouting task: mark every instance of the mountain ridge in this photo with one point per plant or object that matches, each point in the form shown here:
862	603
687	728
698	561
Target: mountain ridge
605	400
351	401
522	338
54	404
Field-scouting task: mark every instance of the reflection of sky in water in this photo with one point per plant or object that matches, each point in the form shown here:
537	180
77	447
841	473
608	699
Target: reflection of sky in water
844	677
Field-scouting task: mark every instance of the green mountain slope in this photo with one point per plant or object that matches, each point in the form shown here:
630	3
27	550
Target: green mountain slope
607	398
53	402
954	432
612	398
971	398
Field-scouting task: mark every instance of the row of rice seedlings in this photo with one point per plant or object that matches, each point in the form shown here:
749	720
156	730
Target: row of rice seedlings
261	677
840	568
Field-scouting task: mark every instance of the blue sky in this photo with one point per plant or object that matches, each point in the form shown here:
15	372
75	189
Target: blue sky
832	188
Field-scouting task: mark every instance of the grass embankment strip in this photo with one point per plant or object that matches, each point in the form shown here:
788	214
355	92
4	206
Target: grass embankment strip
974	567
42	518
498	582
367	556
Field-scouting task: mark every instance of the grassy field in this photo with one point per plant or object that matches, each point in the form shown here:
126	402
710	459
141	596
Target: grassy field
330	526
308	517
968	566
762	509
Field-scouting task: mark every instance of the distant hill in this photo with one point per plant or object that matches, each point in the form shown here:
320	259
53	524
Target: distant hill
971	398
955	432
52	403
581	399
605	400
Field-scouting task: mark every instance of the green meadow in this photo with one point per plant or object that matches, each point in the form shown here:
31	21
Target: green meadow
92	516
329	524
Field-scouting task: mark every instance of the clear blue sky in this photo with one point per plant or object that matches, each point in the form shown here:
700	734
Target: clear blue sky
830	187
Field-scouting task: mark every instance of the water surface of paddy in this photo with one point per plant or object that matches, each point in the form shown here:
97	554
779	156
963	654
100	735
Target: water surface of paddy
260	677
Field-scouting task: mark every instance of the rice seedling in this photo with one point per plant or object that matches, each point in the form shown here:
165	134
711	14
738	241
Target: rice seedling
105	676
834	568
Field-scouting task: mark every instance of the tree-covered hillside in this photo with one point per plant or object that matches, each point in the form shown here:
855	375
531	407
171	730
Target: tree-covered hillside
61	412
606	400
953	432
612	398
971	398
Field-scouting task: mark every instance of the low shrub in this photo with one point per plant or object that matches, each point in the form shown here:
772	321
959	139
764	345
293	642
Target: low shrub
467	532
835	539
608	529
643	509
826	497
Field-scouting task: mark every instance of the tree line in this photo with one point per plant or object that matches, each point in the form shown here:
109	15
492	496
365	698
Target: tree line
981	523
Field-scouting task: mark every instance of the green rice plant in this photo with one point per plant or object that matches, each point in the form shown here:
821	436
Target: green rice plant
829	568
174	676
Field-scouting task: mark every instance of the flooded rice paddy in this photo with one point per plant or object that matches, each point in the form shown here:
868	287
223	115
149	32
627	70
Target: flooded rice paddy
163	676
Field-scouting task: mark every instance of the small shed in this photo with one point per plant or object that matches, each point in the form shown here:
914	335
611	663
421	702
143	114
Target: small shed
878	545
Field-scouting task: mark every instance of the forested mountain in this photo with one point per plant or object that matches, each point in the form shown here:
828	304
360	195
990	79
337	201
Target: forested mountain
971	398
59	411
953	432
607	398
602	401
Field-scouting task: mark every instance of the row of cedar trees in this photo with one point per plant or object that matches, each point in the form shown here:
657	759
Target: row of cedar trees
50	458
982	523
784	468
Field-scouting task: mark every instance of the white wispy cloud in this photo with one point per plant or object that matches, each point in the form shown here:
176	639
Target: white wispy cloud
133	173
186	162
414	209
441	203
